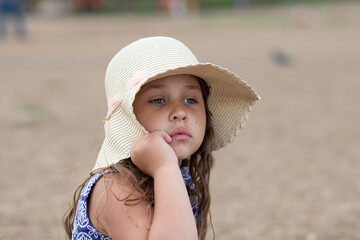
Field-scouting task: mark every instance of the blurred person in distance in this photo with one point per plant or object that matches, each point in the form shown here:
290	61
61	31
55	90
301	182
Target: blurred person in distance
12	10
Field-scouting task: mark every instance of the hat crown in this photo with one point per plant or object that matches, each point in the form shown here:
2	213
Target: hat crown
149	56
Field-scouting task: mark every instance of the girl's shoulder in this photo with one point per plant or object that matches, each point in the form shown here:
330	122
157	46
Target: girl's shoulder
112	210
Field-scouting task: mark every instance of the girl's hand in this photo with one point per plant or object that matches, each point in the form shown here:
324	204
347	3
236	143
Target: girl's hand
151	152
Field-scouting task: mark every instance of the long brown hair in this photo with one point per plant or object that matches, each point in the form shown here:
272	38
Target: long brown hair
200	163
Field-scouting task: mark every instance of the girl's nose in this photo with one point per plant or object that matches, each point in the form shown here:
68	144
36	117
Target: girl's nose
178	114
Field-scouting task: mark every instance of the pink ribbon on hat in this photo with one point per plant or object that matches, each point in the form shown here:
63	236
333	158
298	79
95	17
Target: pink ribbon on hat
136	78
115	101
113	104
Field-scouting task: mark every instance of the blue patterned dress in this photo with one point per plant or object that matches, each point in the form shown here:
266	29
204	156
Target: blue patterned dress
83	228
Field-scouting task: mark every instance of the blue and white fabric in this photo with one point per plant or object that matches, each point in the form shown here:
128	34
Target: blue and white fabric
83	228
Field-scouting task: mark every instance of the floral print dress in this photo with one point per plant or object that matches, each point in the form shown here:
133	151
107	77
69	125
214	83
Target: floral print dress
83	228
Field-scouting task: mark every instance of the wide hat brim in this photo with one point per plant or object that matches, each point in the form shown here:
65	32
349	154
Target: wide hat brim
230	101
152	58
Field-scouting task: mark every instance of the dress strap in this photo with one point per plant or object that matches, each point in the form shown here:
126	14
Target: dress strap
191	186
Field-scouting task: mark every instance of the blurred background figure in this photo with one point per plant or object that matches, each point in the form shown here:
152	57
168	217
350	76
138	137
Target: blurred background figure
87	5
12	10
177	8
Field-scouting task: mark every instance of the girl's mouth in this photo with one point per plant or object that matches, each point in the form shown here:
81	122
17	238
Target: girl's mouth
180	134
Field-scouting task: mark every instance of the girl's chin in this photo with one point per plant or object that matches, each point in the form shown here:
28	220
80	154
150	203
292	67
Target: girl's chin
182	154
181	159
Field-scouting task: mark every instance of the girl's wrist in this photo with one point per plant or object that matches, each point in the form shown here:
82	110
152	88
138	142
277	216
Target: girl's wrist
168	169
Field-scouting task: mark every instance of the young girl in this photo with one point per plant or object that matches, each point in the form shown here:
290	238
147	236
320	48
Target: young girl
167	113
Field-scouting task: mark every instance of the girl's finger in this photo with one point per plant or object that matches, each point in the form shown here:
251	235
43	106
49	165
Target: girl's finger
166	137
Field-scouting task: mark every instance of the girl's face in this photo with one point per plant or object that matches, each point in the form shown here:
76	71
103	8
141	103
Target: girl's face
175	105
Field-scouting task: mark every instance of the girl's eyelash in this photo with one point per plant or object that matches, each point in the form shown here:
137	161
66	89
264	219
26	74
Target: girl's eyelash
157	100
160	100
192	100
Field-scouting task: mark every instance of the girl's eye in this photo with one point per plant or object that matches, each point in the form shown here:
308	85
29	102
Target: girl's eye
190	100
157	101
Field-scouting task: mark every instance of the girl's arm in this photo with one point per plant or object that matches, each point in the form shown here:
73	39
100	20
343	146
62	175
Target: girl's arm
172	217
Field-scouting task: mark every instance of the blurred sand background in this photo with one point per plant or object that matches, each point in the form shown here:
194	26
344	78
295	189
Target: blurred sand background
292	174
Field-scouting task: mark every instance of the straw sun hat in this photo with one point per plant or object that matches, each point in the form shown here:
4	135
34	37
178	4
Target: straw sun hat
147	59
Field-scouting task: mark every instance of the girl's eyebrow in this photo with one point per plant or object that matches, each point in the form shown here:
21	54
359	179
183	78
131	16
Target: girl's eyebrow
193	87
156	86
